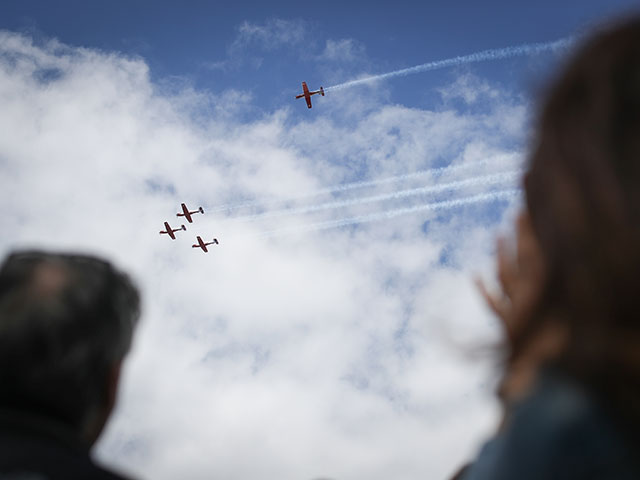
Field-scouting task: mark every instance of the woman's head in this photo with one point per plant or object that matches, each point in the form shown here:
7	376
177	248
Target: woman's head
583	200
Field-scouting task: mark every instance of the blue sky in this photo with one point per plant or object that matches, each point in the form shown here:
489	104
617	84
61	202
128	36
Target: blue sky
184	39
332	331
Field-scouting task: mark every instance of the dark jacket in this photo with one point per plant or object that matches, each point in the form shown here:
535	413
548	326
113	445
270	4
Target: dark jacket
35	448
558	432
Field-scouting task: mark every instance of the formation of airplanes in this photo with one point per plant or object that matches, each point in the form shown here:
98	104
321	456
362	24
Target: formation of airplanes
188	214
307	94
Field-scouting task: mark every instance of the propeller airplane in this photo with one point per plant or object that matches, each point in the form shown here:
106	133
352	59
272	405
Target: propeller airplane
307	94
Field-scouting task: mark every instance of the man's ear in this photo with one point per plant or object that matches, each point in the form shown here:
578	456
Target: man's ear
98	419
113	381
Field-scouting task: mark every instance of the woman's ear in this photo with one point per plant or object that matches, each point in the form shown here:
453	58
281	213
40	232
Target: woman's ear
530	268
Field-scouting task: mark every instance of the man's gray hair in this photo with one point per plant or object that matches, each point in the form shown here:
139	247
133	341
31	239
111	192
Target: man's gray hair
65	322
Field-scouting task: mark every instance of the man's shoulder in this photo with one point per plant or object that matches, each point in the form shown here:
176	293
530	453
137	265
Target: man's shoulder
42	460
31	449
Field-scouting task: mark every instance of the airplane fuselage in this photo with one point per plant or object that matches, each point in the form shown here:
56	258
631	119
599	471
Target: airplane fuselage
307	94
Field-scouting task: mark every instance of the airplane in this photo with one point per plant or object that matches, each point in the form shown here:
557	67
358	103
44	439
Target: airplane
187	214
307	94
203	245
170	231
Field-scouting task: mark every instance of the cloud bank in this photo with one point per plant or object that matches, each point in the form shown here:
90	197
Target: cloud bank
334	353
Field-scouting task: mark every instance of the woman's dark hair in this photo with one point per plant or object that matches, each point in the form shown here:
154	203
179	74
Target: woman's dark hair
583	197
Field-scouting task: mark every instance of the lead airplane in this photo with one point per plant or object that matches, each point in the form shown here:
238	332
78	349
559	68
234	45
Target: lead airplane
187	214
203	245
170	231
307	94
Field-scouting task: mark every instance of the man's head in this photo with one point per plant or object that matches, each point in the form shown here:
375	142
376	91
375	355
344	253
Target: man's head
66	323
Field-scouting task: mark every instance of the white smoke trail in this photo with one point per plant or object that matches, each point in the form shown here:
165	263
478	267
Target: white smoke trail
485	55
355	185
483	180
380	216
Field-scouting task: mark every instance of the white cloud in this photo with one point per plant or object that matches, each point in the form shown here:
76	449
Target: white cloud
254	39
470	89
343	50
272	34
330	353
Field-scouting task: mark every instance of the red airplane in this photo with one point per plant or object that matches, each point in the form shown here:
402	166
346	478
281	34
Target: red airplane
187	214
203	245
307	94
170	231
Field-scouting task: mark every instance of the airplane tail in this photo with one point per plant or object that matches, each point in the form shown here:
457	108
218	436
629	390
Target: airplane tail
322	91
201	210
183	227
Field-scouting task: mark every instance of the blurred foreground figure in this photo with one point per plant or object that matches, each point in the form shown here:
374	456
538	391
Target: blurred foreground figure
66	323
570	299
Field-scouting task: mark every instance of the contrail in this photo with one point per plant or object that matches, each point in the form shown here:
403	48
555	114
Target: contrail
344	187
380	216
483	180
483	56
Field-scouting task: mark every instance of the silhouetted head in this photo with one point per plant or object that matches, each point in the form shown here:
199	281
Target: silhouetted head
583	198
66	323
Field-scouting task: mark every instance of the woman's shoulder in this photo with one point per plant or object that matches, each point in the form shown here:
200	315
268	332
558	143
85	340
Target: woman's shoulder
558	431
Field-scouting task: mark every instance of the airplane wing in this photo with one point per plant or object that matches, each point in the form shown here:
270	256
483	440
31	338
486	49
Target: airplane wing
308	99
